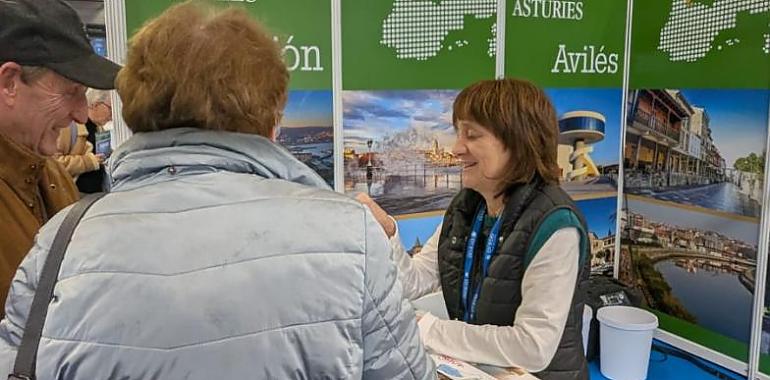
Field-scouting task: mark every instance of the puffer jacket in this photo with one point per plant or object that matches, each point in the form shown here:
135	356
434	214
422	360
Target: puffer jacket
218	256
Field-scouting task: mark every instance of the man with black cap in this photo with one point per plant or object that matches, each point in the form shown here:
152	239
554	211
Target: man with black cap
46	64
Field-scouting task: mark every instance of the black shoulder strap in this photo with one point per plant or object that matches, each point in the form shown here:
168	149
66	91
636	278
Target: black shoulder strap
24	367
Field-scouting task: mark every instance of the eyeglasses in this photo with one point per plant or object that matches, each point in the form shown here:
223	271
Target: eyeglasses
109	107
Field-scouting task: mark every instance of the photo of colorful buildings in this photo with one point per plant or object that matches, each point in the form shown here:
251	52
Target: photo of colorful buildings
684	262
703	148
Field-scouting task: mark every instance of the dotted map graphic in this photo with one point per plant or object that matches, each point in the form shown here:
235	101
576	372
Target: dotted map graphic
418	29
692	27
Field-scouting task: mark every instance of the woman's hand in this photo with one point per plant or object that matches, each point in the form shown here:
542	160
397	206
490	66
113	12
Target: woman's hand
380	215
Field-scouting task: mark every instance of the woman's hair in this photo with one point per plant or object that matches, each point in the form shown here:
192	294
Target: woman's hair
522	117
197	66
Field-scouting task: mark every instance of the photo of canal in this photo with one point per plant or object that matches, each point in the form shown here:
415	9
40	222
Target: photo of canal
723	196
689	284
695	266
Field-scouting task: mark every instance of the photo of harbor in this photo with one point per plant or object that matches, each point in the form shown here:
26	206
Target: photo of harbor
398	148
307	130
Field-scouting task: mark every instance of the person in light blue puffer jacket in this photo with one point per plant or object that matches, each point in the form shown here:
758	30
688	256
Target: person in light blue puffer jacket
217	255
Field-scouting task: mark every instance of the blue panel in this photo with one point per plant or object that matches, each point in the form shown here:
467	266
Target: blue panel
581	123
673	366
99	44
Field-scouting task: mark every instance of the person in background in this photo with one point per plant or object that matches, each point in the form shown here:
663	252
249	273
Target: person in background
99	121
77	144
513	247
217	254
46	63
76	153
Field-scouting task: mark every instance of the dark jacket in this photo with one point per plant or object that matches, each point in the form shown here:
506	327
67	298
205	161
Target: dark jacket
91	181
532	213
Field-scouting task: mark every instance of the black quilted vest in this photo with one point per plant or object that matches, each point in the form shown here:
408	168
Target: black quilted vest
500	297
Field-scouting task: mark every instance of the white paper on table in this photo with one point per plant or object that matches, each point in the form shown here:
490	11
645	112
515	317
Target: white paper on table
460	370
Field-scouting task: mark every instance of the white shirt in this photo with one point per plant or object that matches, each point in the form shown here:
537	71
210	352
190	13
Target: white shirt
547	290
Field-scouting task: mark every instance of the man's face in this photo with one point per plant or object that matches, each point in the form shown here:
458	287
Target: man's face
100	113
46	105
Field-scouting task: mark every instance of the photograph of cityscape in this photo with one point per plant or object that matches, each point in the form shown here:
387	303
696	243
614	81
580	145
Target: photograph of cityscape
686	262
398	146
702	148
307	130
589	124
600	215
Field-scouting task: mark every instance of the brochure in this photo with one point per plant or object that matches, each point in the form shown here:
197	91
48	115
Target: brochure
453	369
103	145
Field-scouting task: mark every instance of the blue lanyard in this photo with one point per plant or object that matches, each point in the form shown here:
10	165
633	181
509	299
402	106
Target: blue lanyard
470	249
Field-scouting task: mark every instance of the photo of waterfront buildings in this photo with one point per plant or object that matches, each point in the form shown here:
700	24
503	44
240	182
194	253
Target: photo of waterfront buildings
398	148
685	262
703	148
307	130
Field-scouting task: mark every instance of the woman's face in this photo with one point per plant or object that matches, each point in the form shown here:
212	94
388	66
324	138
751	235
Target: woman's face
484	157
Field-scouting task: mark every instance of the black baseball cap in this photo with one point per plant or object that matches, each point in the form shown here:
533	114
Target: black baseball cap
49	33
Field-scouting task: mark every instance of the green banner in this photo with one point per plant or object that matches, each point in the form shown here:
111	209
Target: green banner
423	44
700	44
302	27
566	43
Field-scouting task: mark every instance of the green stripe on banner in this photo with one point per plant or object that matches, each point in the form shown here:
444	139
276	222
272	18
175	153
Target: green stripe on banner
703	336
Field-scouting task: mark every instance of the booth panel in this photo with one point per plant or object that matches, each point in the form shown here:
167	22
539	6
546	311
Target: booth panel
693	163
303	29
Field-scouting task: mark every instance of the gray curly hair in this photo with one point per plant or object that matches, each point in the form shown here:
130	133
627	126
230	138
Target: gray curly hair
95	96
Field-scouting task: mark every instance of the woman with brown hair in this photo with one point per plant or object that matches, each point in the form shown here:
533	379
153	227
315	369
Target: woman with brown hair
512	249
